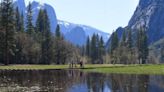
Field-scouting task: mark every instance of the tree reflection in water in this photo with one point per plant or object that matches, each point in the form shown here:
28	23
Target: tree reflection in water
77	81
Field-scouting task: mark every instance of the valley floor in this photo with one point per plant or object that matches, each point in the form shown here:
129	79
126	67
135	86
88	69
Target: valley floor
105	68
130	69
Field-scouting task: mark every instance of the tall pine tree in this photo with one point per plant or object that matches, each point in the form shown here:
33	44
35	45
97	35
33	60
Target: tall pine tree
97	47
123	40
47	42
39	22
88	47
57	48
29	26
22	23
101	50
145	48
18	20
8	27
114	42
142	46
129	41
43	27
93	48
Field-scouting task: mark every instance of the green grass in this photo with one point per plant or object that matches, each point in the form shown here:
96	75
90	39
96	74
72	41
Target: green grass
129	69
105	68
45	67
33	67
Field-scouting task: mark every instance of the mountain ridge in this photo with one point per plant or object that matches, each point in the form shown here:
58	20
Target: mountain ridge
89	31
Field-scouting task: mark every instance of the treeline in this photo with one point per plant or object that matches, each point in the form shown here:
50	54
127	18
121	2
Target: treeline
94	50
124	50
25	42
128	49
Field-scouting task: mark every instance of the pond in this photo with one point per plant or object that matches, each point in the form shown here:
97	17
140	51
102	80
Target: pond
77	81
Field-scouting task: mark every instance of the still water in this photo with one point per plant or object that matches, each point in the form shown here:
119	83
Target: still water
77	81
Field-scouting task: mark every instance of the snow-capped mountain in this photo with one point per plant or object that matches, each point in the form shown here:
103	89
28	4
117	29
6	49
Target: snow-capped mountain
75	33
68	28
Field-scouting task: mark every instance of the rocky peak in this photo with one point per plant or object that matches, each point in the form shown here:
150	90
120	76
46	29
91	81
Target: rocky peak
149	13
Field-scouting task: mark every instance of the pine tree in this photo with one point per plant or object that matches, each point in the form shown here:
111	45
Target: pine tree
18	20
139	44
43	27
57	32
101	49
22	29
88	47
57	48
47	44
102	45
97	47
130	47
93	48
123	40
129	41
114	42
19	25
142	46
145	48
30	28
8	26
39	22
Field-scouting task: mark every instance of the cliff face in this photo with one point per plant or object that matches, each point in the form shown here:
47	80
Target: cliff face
149	13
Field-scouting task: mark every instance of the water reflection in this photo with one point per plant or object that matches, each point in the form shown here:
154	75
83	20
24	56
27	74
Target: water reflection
76	81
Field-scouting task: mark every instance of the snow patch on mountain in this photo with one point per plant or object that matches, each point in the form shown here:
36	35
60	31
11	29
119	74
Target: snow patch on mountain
75	33
67	27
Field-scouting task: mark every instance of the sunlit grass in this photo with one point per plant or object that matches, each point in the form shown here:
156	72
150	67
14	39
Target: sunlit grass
32	67
104	68
41	67
130	69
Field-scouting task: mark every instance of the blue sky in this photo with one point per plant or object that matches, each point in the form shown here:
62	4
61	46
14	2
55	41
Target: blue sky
106	15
